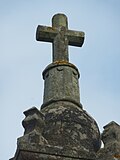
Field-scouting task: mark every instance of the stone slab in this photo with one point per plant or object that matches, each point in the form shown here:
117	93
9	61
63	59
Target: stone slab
44	152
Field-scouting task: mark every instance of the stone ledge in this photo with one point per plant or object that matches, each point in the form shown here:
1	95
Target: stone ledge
46	152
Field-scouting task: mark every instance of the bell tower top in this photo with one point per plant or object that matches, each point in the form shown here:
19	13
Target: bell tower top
61	129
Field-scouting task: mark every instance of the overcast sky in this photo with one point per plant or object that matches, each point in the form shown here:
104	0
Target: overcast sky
22	60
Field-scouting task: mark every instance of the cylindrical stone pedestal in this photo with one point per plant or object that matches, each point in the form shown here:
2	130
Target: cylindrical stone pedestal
61	83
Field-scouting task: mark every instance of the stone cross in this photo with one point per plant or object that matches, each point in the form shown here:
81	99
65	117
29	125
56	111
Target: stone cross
60	37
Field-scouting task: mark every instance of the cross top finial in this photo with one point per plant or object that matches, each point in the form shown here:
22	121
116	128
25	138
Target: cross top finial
59	20
60	37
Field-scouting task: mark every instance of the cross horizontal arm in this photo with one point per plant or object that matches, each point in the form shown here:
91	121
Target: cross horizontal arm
46	34
75	38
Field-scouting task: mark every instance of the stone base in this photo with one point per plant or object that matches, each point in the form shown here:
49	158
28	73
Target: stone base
46	152
46	136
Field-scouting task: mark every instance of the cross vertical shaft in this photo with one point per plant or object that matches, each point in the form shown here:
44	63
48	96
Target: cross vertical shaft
60	43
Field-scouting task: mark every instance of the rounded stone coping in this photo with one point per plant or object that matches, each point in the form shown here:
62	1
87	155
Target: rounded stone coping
73	123
59	100
57	64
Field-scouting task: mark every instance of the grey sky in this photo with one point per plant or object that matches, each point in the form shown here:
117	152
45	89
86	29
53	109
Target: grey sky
22	60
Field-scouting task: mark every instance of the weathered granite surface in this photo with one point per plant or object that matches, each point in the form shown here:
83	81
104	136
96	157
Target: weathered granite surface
33	124
27	151
61	83
111	140
57	133
65	133
69	126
